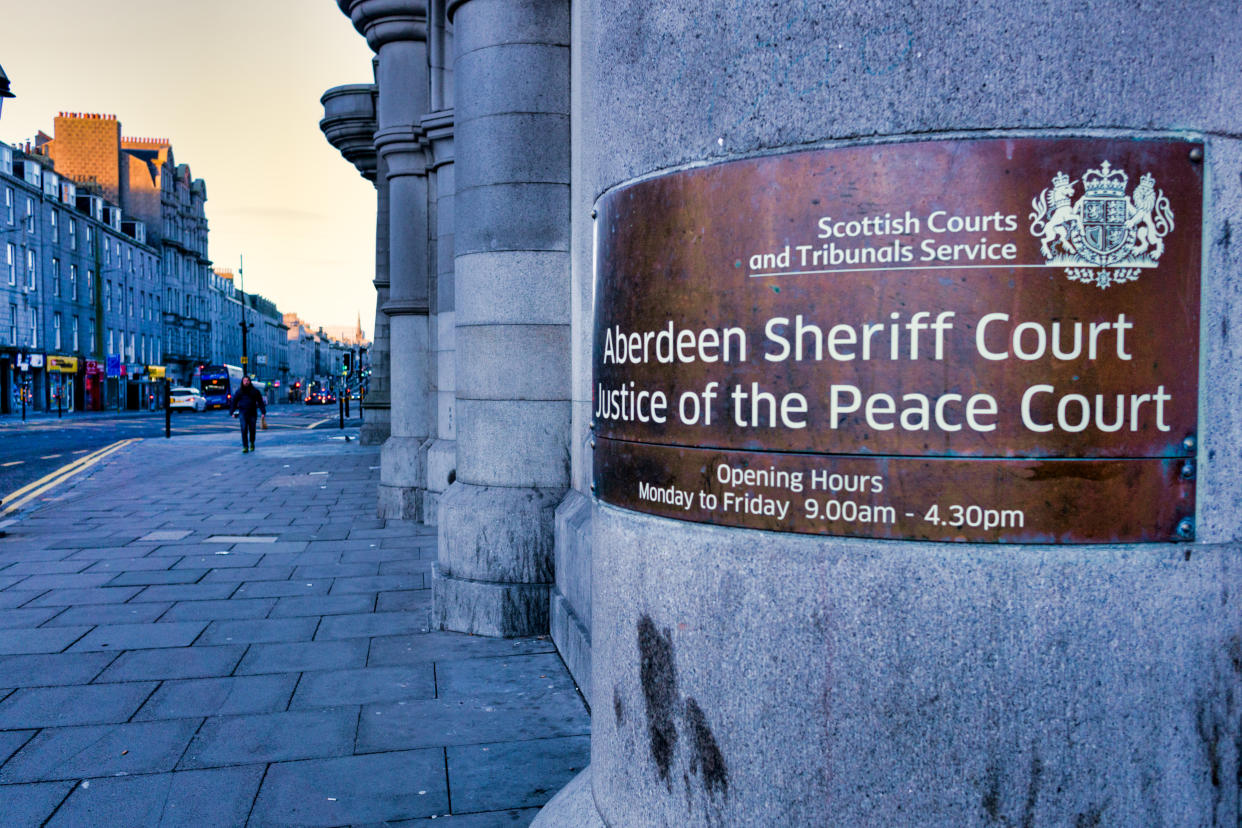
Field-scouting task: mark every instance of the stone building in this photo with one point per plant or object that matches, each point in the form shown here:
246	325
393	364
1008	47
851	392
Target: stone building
543	168
141	176
80	285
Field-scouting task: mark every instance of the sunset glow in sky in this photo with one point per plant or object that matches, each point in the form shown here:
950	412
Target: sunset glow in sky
235	87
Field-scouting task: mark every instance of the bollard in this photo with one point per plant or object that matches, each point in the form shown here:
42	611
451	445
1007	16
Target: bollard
341	409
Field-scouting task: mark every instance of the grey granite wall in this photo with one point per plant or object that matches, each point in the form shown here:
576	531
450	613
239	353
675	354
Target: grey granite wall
751	678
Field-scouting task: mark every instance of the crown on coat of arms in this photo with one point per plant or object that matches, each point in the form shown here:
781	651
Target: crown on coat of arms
1105	182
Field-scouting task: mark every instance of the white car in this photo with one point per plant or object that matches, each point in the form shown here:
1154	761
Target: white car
190	398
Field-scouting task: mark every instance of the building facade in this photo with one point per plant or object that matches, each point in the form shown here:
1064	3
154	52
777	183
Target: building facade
742	673
80	285
142	177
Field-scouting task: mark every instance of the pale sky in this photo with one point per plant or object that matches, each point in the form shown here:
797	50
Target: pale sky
235	86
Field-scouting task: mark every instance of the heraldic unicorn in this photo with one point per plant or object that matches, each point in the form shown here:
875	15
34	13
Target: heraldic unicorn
1106	237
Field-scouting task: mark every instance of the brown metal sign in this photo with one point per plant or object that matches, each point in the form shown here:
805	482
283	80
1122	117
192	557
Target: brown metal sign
991	320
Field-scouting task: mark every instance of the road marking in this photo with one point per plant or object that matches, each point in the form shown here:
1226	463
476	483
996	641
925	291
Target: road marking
11	463
50	456
16	499
319	422
80	451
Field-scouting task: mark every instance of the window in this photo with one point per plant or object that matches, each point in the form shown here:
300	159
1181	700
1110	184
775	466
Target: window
131	346
131	301
90	238
90	334
55	276
111	342
34	329
90	285
30	270
8	204
12	324
73	234
107	252
56	331
30	215
55	226
73	282
108	298
11	260
75	335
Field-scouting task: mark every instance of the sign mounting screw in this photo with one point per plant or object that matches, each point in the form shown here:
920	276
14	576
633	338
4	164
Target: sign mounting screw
1186	529
1196	154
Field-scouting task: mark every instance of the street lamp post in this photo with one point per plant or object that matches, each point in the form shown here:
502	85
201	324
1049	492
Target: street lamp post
245	327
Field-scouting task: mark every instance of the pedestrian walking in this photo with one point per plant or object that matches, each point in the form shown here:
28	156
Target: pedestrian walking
248	403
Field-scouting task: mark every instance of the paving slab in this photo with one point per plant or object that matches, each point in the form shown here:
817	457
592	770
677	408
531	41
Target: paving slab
505	718
95	614
445	646
187	592
486	777
64	582
17	619
282	589
86	595
230	696
50	640
253	573
220	796
12	598
527	674
140	636
74	705
157	577
53	669
353	790
11	741
174	663
220	610
332	688
322	605
370	625
273	737
259	631
100	750
29	806
299	656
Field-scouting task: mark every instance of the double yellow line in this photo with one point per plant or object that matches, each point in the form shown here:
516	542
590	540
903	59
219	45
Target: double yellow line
15	500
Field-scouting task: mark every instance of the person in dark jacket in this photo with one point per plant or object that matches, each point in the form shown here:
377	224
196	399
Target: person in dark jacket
248	403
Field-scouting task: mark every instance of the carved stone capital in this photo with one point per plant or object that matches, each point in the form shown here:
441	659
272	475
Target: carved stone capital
387	21
403	151
438	129
349	124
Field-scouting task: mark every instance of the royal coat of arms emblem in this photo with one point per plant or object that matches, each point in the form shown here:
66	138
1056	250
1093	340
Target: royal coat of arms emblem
1106	236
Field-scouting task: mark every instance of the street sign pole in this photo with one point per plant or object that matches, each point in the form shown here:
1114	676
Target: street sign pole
60	395
167	408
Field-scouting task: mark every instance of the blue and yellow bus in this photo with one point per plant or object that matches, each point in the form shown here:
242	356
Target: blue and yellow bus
219	383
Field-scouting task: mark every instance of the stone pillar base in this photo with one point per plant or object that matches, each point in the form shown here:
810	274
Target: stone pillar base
376	424
573	807
488	608
494	566
399	503
401	480
439	460
571	595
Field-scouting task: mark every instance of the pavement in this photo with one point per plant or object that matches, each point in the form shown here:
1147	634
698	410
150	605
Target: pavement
193	636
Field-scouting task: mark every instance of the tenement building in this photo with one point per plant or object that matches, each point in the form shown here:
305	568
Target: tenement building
80	285
854	392
142	177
